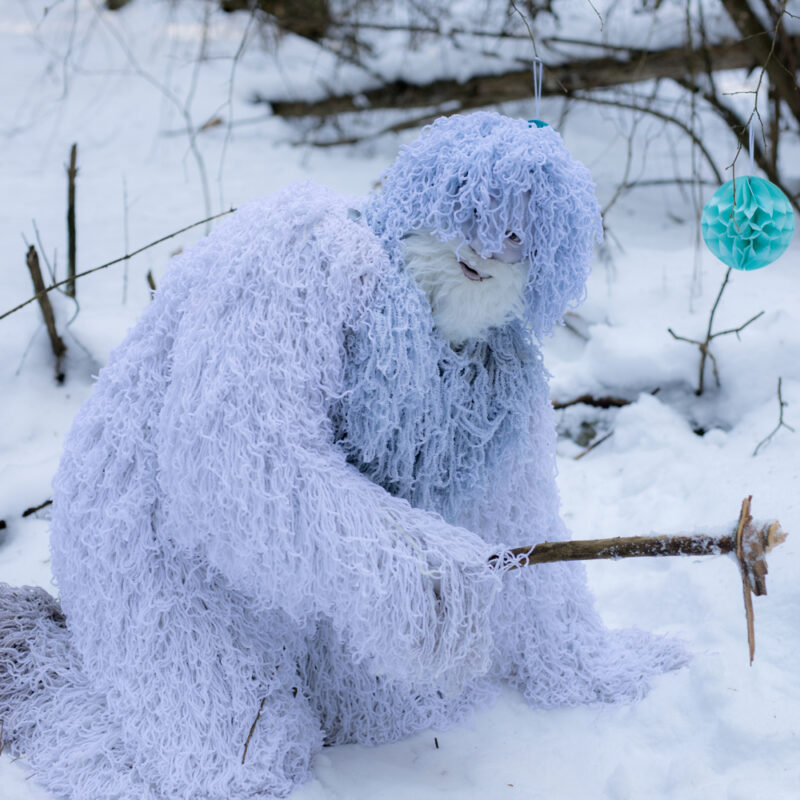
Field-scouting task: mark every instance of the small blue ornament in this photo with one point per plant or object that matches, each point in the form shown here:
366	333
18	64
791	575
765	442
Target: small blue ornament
538	72
748	223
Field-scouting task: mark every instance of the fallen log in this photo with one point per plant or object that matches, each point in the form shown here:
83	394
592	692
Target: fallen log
624	67
748	541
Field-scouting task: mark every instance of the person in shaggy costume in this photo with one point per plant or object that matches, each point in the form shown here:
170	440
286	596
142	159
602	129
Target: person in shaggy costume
273	521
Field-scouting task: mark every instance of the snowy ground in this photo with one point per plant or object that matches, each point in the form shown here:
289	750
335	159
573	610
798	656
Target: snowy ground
717	729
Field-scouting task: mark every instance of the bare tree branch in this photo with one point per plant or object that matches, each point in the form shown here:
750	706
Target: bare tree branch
484	90
762	44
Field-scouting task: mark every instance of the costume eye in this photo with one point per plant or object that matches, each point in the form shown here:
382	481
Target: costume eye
513	238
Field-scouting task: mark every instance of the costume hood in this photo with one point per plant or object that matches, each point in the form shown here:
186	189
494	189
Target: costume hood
481	176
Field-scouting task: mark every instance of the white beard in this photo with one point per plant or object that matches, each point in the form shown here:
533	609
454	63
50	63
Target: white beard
463	308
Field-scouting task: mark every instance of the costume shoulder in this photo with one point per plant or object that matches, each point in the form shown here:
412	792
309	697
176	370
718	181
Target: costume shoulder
288	247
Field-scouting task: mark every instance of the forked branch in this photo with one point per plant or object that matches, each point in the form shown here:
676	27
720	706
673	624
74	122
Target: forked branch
705	345
781	424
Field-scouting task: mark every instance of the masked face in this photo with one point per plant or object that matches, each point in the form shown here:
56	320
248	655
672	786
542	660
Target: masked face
468	293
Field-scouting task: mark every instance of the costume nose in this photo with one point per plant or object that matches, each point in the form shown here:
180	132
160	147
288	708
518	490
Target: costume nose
512	253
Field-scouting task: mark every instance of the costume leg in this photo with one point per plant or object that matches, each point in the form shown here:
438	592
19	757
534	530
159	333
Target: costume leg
207	688
357	706
553	646
173	726
50	715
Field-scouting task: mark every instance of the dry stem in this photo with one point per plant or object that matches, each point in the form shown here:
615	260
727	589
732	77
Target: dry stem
781	424
72	171
704	346
253	728
56	342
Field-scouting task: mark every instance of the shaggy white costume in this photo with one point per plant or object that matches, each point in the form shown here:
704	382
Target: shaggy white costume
279	504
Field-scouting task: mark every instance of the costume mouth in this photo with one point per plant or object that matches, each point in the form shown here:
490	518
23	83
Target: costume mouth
471	273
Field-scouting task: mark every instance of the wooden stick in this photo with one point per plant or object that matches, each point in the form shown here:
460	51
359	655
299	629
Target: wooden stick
72	171
749	543
59	348
747	589
618	547
253	728
693	544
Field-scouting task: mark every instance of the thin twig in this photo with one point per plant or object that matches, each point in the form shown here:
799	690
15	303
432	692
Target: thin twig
253	728
229	102
592	400
51	268
637	119
41	293
28	511
738	330
183	108
527	26
662	116
593	445
781	424
125	238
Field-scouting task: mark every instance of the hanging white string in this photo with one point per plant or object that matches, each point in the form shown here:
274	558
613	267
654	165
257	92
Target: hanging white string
538	68
752	143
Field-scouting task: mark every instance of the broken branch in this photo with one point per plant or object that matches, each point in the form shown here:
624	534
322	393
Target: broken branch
56	342
253	728
72	171
591	400
33	509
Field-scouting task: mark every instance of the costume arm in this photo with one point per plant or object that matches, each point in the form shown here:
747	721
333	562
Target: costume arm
252	479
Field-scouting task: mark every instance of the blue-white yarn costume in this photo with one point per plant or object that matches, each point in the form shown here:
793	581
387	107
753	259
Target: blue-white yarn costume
279	504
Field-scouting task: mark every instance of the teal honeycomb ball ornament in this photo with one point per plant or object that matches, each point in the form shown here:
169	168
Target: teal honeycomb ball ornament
748	223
